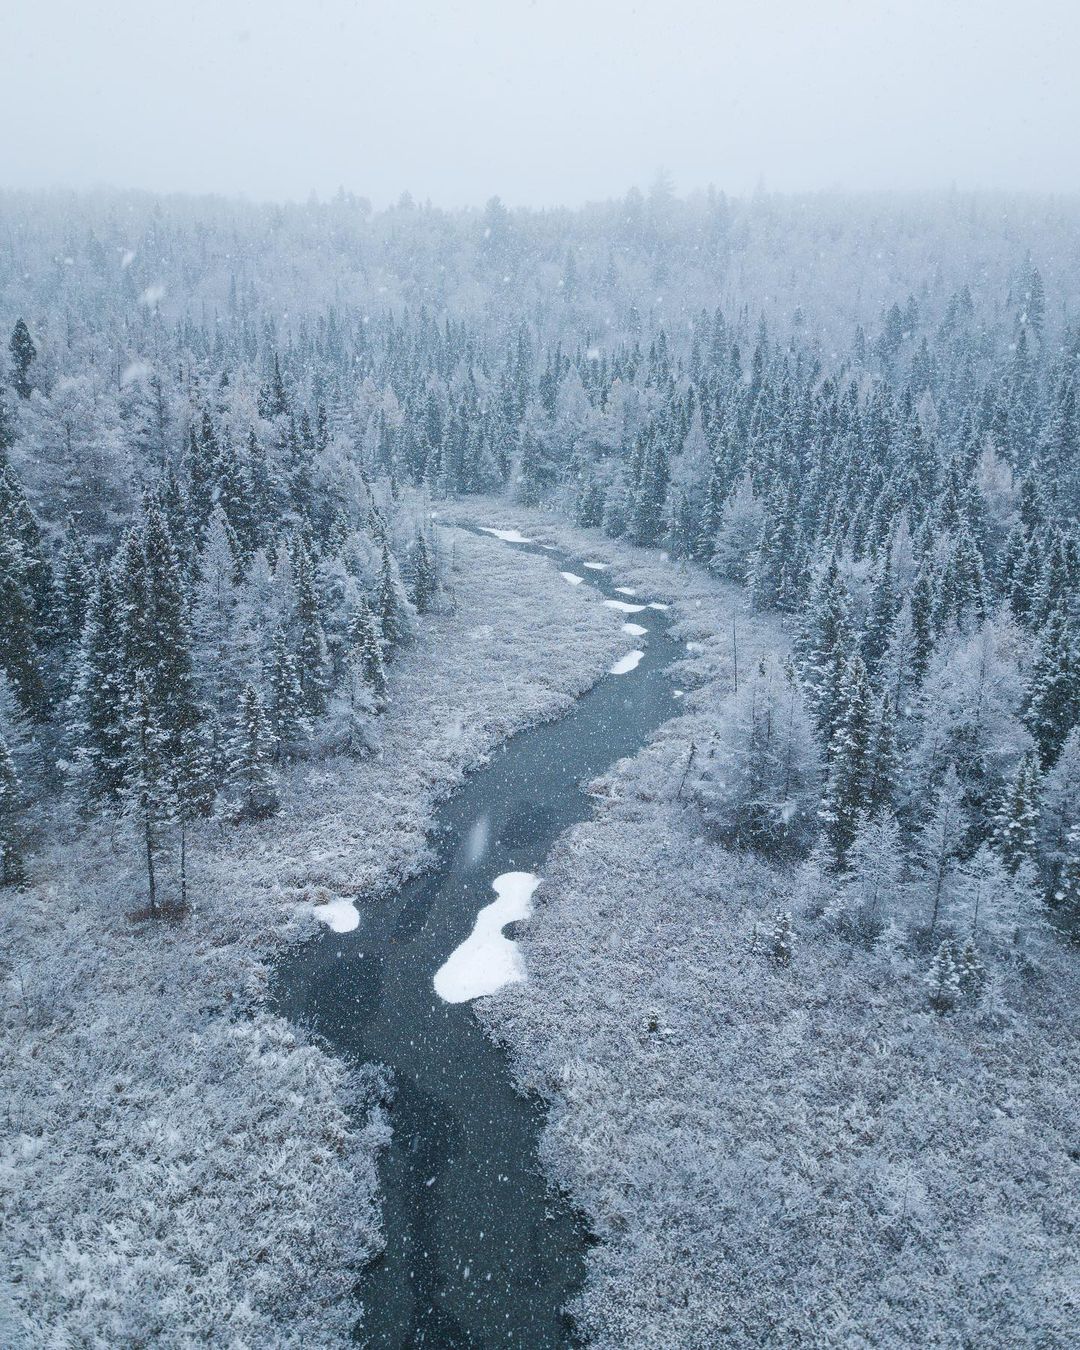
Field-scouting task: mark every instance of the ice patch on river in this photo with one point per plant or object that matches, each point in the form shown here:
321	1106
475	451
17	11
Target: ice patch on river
626	663
507	536
624	606
571	578
634	629
625	590
597	567
486	960
341	915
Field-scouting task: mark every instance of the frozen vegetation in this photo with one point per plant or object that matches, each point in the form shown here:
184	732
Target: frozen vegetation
776	1135
179	1166
800	996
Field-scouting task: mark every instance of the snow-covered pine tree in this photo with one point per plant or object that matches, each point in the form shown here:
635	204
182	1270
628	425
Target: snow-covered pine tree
251	783
943	980
366	647
1017	821
311	659
96	727
12	867
845	799
149	792
938	845
287	712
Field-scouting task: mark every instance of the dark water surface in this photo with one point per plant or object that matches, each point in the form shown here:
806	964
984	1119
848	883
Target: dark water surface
479	1252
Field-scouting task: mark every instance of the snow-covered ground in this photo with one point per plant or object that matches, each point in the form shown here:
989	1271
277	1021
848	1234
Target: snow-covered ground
178	1166
487	960
799	1155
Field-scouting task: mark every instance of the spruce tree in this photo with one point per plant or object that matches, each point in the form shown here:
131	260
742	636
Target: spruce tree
939	843
23	353
12	868
311	660
388	603
287	710
252	783
149	795
366	648
943	980
1017	822
425	580
96	724
845	798
1053	689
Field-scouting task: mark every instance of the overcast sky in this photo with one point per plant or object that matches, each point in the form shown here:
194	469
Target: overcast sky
548	101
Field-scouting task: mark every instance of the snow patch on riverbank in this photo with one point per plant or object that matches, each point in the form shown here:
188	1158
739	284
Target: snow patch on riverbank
486	960
341	916
507	536
571	578
625	664
634	629
625	590
597	566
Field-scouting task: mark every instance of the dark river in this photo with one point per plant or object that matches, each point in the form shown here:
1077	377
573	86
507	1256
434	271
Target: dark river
479	1251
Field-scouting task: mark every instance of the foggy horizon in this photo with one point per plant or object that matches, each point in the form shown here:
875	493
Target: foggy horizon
544	105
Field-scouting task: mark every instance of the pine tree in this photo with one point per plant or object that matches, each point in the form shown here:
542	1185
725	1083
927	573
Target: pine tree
12	868
287	710
23	353
1017	822
251	783
845	798
96	727
943	980
824	649
149	796
939	843
971	973
1053	688
388	603
19	651
366	647
311	657
425	579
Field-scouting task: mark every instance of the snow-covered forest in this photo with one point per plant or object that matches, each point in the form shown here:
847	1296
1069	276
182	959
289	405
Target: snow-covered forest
801	997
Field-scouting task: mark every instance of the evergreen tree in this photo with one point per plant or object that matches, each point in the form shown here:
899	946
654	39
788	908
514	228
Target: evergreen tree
311	658
943	980
1053	688
149	797
97	714
850	751
19	652
12	868
23	353
389	607
824	649
287	709
1017	820
425	577
366	647
971	972
939	843
251	782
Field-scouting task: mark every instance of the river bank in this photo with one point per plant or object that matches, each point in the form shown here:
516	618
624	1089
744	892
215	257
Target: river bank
179	1163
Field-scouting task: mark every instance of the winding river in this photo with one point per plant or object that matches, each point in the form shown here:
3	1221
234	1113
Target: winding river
479	1251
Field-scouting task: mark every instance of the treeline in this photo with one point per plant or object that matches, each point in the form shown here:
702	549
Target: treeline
910	499
164	662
